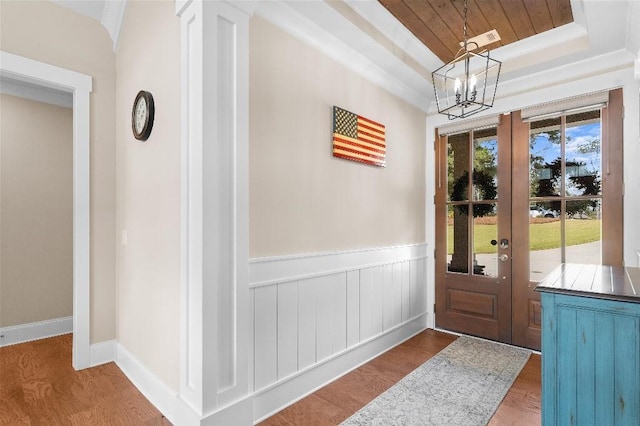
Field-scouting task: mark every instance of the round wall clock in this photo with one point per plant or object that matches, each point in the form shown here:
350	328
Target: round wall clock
142	115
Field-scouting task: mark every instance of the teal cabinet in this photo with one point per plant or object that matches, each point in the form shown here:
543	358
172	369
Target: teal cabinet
591	346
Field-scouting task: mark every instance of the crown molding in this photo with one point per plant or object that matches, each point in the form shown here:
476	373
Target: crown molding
112	18
556	43
399	39
575	71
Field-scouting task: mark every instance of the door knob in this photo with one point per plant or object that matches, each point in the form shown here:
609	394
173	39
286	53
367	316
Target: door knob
504	257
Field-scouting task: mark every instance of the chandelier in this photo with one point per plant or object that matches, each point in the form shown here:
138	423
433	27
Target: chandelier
467	84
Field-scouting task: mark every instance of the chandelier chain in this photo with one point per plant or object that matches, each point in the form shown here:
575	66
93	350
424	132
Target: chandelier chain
465	25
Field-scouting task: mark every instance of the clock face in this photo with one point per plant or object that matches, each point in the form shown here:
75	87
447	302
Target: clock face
142	115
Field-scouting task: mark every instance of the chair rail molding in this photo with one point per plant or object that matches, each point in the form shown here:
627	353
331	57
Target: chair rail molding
215	317
278	269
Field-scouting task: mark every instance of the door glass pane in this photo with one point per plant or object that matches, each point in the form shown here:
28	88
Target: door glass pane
545	155
565	163
485	229
458	167
458	238
583	235
583	154
485	164
545	251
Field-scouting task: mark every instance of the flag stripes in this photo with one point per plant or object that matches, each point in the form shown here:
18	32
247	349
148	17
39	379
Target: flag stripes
346	149
358	139
339	140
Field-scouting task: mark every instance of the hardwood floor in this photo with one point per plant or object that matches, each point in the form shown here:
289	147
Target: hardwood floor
38	386
340	399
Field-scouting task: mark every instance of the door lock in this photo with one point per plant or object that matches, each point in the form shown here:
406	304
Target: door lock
504	257
504	243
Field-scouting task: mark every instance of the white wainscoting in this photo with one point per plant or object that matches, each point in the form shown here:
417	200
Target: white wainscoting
319	316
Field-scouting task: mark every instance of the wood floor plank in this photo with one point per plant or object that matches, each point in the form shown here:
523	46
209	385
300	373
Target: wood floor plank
348	394
39	386
521	405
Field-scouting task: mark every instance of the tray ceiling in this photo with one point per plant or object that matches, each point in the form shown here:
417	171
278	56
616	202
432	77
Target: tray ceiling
439	23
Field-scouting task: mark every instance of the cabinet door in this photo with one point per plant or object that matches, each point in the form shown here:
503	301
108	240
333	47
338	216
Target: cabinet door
591	361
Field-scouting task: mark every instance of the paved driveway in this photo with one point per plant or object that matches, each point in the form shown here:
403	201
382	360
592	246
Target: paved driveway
544	261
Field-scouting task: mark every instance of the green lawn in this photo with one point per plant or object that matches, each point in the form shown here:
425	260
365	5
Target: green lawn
542	235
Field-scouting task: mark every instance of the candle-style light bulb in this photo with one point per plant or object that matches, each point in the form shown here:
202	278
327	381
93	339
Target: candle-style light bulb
472	86
472	83
456	86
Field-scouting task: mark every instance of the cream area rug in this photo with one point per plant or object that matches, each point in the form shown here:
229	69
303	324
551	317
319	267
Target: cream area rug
461	385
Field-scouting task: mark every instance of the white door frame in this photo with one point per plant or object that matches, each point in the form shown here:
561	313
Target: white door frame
79	85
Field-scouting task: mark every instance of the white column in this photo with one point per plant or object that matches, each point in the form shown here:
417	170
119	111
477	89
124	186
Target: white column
215	322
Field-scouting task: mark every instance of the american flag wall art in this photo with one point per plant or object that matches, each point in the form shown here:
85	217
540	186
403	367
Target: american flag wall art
358	139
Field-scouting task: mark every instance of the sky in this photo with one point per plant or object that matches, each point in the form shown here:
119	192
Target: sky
576	136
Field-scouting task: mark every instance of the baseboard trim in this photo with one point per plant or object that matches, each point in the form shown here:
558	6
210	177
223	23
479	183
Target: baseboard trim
103	352
274	398
35	331
260	405
167	401
238	413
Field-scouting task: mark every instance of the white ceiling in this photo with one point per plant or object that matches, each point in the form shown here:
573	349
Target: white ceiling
367	38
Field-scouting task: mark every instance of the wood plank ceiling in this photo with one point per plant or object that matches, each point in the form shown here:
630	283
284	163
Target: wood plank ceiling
439	23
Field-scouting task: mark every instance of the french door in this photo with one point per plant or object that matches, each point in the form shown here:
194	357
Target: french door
516	199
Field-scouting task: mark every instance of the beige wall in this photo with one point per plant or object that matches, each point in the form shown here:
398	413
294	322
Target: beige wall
46	32
148	190
36	180
301	198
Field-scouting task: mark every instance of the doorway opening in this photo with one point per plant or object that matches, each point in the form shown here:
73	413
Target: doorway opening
36	250
39	74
